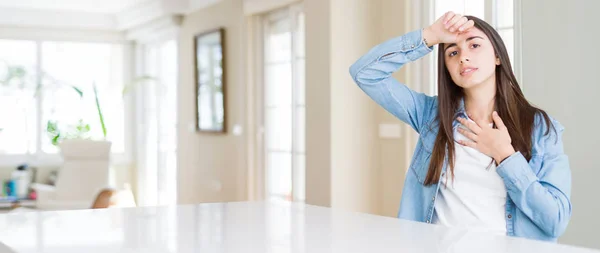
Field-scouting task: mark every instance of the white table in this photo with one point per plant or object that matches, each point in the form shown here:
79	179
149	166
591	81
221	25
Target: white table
243	227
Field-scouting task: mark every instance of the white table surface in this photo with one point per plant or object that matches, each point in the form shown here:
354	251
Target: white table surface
250	227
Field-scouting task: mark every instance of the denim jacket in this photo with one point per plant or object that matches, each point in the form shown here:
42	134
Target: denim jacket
538	191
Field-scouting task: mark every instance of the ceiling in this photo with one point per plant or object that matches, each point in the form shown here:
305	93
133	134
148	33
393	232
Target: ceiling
94	6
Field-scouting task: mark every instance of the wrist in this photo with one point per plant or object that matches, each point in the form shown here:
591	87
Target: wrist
504	154
429	37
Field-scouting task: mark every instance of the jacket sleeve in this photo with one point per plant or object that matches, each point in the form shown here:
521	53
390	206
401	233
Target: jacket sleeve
543	197
372	72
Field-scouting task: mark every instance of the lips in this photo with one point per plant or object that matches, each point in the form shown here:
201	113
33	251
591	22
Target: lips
467	71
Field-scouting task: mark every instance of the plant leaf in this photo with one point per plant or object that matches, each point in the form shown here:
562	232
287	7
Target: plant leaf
99	111
51	126
77	90
55	140
136	82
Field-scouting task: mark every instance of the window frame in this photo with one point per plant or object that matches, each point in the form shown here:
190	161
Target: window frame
259	171
38	36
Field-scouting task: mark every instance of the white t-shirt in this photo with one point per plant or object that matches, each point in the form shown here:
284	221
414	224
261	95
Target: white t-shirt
477	197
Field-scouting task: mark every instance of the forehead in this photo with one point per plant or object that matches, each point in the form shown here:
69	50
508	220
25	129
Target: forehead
473	32
462	37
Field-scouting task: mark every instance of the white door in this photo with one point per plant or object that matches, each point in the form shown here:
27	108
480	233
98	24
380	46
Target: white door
284	104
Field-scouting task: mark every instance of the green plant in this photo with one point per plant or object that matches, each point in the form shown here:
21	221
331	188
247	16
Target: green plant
57	134
15	76
82	130
126	89
99	109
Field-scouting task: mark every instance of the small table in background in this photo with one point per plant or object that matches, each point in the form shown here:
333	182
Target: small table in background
12	203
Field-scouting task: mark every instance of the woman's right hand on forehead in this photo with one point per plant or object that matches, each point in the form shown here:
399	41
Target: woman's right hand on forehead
446	28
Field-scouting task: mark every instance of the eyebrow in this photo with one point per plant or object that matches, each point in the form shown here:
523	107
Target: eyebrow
468	39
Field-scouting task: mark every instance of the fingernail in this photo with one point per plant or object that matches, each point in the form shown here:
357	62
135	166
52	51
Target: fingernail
460	29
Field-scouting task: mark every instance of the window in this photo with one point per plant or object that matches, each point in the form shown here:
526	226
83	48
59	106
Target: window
101	66
57	67
284	105
18	110
466	7
504	24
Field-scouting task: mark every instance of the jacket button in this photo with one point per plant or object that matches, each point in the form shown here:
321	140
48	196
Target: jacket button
510	216
428	221
433	198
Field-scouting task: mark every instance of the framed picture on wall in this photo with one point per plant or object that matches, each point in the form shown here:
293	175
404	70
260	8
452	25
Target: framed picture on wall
210	72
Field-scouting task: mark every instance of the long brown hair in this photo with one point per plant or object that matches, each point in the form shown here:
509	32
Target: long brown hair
516	112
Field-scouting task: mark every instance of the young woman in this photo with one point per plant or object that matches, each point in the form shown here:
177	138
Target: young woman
486	158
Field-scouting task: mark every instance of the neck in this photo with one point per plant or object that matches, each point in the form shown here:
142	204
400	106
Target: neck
479	100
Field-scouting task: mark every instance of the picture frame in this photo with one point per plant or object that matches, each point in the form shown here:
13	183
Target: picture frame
210	81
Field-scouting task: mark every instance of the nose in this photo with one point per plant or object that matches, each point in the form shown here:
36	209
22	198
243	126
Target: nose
464	59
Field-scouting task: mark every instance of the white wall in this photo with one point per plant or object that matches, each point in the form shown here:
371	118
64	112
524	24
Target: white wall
340	133
348	166
212	167
355	162
342	147
393	152
560	66
318	102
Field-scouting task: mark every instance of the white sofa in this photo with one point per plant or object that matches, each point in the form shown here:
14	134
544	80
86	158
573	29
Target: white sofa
84	173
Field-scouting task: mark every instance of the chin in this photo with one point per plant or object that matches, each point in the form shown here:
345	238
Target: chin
468	84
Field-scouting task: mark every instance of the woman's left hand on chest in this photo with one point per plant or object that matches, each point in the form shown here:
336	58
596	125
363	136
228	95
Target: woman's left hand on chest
494	142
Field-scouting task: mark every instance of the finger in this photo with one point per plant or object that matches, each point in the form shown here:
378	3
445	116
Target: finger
467	26
468	144
498	120
468	134
448	16
471	125
458	24
453	21
470	116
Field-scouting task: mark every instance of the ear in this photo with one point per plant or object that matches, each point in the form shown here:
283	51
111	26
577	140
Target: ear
497	60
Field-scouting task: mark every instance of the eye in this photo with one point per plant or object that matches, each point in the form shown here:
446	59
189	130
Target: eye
453	53
475	45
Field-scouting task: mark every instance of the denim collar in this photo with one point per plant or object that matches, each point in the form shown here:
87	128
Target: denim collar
460	112
461	106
